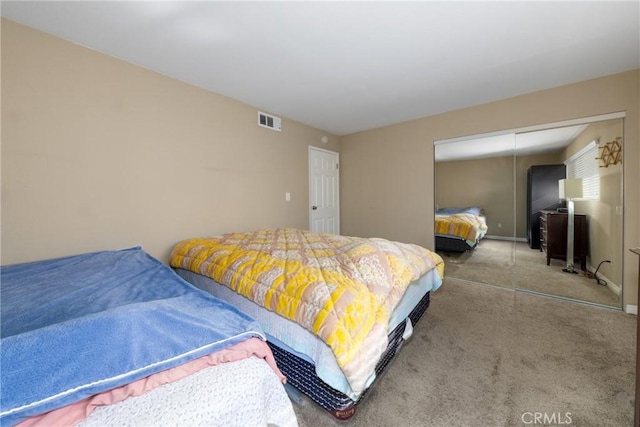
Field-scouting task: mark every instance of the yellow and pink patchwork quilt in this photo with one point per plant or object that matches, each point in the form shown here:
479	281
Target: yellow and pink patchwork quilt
343	289
466	226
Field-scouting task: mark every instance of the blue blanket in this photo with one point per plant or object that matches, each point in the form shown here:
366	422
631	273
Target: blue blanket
473	210
76	326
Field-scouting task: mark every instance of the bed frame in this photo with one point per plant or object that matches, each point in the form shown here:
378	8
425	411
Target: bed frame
452	244
301	374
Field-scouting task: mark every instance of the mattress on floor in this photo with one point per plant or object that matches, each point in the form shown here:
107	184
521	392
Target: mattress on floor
241	393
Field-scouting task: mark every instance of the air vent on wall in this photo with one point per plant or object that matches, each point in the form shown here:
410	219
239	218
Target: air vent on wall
267	121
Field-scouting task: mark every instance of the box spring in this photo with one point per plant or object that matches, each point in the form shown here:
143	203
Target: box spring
452	244
301	374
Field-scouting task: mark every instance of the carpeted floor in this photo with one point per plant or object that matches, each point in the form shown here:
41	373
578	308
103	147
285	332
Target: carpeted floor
488	356
516	266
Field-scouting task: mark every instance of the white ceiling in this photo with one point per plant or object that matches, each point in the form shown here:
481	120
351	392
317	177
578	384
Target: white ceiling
344	67
522	144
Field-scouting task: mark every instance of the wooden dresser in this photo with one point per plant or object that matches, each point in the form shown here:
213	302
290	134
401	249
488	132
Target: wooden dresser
553	236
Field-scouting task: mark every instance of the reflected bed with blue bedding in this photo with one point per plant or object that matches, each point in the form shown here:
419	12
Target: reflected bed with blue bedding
77	326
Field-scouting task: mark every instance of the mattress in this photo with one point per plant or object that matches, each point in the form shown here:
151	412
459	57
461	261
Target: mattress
301	373
240	393
341	289
459	229
101	324
308	360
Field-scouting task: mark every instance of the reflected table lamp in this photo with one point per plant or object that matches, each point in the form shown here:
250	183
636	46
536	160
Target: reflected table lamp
570	189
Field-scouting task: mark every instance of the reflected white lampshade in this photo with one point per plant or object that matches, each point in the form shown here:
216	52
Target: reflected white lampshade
570	188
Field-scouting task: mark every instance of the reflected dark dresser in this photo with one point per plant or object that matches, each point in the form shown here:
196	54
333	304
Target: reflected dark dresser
553	236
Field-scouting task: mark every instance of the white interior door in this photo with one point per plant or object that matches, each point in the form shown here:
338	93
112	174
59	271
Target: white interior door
324	193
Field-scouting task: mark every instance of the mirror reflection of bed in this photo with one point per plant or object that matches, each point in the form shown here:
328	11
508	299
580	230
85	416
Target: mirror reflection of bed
458	233
495	184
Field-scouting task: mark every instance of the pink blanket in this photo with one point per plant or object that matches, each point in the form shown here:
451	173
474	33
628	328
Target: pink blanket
76	412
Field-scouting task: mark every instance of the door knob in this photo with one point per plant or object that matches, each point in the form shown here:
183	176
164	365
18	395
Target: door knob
314	207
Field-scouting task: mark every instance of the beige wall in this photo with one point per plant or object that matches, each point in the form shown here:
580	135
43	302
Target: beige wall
487	183
388	173
100	154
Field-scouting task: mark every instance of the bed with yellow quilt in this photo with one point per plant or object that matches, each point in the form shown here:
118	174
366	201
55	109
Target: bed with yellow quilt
459	229
335	309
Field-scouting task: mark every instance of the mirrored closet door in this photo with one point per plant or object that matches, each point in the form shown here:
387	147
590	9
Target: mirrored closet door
542	264
513	180
475	190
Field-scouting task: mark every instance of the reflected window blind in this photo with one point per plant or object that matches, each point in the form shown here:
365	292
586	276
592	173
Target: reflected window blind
584	165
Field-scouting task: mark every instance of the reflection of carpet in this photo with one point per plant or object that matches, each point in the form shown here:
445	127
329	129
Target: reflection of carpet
516	266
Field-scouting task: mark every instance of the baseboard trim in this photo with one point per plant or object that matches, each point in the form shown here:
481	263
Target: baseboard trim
557	297
631	309
506	238
616	289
